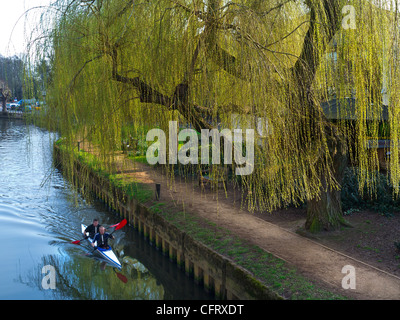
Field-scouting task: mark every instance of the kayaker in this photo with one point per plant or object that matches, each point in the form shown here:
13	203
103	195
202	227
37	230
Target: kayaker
92	229
102	238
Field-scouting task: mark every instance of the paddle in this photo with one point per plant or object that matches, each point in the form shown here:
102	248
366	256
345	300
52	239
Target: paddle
121	276
114	225
119	225
78	241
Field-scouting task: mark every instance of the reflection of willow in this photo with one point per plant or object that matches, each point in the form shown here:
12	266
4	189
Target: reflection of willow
84	279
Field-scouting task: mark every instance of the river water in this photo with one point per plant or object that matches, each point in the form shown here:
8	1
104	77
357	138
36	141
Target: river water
40	214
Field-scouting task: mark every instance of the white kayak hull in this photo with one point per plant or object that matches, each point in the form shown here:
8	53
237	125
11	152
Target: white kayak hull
106	254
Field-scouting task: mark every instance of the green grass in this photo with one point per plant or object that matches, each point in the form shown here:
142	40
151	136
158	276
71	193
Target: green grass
133	189
156	207
371	249
141	159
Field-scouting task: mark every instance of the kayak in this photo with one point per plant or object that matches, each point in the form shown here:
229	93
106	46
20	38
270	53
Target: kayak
106	254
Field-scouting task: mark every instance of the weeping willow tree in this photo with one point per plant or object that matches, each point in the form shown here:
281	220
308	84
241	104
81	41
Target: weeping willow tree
145	63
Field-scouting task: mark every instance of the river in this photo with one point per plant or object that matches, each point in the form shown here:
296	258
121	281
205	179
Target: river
40	214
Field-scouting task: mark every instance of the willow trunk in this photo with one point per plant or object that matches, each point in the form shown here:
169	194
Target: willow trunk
325	211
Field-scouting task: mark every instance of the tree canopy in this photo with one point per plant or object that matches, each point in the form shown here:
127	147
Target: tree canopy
205	62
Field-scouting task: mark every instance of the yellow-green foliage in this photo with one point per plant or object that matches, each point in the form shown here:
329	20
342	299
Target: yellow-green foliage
167	42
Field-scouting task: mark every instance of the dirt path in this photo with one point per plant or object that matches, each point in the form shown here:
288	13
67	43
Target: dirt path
314	260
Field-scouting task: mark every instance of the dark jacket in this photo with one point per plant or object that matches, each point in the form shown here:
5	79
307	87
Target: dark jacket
102	239
92	230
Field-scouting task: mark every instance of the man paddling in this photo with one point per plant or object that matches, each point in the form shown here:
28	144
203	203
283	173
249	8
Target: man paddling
93	229
102	238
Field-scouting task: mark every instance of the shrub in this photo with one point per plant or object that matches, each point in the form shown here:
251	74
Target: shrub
381	201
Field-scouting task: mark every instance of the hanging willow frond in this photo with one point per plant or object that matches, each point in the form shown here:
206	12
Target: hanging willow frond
286	64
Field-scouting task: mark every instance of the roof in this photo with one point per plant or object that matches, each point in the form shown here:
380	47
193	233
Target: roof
345	109
379	144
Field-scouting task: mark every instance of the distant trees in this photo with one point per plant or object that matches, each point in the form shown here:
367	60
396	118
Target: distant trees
22	81
12	73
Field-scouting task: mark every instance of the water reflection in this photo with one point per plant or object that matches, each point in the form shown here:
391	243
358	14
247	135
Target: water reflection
79	279
146	274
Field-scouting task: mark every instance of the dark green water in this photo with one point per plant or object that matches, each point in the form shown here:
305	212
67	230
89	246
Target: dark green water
40	214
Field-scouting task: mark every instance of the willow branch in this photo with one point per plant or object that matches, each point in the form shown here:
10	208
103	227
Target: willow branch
147	94
72	83
305	67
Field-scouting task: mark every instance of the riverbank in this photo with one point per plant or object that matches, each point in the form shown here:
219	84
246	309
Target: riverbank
33	117
12	115
208	249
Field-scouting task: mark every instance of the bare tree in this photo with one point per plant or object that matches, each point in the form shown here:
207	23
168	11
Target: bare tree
5	94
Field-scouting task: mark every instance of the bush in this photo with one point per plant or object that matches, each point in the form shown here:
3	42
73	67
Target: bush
381	200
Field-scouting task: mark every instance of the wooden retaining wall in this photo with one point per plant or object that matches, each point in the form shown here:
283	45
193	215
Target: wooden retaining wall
218	274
